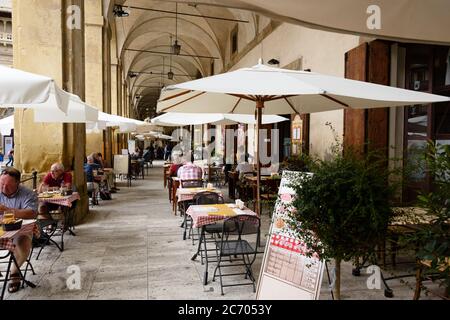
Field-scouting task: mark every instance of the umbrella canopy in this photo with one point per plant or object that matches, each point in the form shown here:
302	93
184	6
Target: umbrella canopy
400	20
77	111
278	91
20	89
175	119
125	124
283	92
6	125
159	135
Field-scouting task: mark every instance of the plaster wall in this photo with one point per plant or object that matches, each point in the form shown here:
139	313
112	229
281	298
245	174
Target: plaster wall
320	51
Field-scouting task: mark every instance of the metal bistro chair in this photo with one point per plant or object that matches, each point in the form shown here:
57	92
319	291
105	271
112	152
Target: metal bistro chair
188	183
236	246
10	260
204	198
192	183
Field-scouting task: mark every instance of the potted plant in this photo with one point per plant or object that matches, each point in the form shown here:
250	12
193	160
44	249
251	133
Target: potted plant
300	162
342	211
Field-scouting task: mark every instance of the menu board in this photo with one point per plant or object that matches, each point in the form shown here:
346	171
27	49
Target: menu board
287	273
121	164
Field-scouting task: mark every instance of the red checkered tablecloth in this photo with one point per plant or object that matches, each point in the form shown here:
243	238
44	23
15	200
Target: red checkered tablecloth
6	240
61	200
186	194
201	218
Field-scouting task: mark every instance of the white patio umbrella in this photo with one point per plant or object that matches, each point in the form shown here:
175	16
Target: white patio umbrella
125	124
77	111
278	91
175	119
6	125
161	136
20	89
110	120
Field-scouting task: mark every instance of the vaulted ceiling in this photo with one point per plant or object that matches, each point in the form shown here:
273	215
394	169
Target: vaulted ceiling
144	39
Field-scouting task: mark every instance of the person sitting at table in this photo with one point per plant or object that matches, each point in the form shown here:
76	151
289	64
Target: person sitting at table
92	179
190	171
175	166
56	178
23	202
244	167
98	159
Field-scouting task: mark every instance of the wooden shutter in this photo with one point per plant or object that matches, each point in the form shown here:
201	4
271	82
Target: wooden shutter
354	120
368	62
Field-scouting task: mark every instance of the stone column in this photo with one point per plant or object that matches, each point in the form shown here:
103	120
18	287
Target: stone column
94	66
107	134
73	62
59	36
36	25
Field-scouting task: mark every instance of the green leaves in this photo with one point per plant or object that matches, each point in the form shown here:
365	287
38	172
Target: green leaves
346	204
433	239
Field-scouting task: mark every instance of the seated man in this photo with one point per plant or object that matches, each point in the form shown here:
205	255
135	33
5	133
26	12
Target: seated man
175	166
24	203
190	171
92	179
243	168
56	178
98	159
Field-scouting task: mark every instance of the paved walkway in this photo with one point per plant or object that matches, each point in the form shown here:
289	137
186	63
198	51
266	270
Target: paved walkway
131	248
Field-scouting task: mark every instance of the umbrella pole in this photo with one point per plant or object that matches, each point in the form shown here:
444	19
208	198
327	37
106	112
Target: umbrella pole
259	109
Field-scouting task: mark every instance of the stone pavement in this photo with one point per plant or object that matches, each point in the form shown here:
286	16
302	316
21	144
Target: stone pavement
131	248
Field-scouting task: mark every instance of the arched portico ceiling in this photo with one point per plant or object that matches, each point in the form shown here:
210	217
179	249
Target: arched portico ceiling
154	42
202	36
196	30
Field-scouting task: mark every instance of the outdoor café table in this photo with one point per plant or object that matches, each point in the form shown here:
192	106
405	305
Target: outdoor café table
203	215
29	227
188	194
66	203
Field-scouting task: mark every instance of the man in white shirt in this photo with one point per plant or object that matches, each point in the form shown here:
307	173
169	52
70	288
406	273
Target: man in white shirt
244	167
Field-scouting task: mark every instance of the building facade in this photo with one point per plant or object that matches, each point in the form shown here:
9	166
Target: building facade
117	55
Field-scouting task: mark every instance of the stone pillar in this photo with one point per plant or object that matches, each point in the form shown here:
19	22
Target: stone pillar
35	25
94	66
107	135
43	24
73	63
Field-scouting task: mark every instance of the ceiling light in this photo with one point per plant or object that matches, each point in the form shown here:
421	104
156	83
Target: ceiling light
170	75
176	48
273	61
119	12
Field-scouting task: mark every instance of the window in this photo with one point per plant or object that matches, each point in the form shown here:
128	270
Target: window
442	120
427	69
234	41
